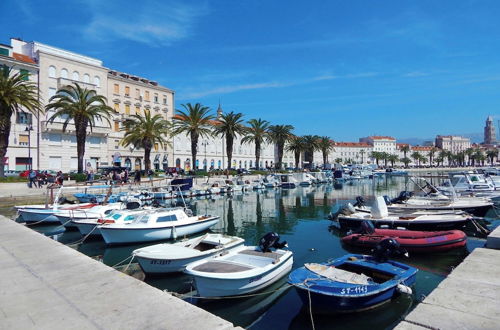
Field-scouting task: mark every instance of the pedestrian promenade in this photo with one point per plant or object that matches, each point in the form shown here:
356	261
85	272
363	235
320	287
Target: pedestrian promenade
469	298
47	285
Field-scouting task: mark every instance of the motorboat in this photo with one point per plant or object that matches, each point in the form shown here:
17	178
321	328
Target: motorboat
66	217
287	181
88	226
351	218
243	270
169	258
158	224
412	241
304	179
258	184
40	214
271	181
351	283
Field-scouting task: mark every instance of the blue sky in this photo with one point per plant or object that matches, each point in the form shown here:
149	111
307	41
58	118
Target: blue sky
344	69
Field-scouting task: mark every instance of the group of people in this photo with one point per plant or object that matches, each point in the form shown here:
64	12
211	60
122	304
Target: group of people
39	179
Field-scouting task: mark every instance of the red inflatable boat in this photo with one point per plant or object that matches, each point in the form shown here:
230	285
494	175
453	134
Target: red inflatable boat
413	241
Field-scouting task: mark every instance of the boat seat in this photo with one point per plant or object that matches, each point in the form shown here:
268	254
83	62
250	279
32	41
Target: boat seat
339	275
272	255
220	267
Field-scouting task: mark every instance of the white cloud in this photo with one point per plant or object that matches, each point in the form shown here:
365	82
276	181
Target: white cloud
152	22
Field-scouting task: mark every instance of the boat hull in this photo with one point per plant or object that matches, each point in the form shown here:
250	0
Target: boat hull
36	215
436	225
223	287
479	211
87	228
131	234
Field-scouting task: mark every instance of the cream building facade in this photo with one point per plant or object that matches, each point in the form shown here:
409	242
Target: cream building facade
452	143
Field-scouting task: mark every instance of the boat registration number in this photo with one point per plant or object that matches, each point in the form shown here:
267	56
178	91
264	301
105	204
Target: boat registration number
358	289
160	262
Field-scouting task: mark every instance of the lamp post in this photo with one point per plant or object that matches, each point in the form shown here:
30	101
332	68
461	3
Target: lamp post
29	129
205	143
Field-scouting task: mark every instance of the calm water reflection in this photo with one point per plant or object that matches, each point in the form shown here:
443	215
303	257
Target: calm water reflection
299	216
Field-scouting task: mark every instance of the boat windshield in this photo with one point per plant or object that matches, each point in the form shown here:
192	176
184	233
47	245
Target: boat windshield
116	216
142	219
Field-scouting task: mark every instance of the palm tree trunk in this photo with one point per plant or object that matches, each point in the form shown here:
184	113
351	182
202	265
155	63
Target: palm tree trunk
81	136
257	154
4	139
194	149
297	159
325	156
147	157
280	155
229	149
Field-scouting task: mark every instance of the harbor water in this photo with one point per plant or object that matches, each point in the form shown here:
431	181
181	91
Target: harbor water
299	216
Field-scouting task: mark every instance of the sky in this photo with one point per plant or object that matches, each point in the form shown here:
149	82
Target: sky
340	68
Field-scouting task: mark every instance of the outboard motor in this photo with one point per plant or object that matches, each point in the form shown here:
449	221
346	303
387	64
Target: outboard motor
271	240
360	202
347	209
366	227
386	248
403	196
387	200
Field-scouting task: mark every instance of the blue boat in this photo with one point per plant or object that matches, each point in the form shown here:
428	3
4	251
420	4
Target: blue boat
351	283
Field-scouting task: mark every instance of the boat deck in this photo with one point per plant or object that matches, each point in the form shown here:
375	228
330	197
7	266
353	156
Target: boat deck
47	285
220	267
272	255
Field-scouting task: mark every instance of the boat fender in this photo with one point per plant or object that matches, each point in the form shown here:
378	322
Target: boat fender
404	289
174	233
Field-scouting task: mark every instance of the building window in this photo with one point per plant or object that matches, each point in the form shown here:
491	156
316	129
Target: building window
23	140
25	74
137	93
127	109
156	146
137	110
86	78
116	89
97	81
147	112
76	76
156	98
64	73
117	127
52	71
117	142
146	96
24	118
127	91
165	100
116	107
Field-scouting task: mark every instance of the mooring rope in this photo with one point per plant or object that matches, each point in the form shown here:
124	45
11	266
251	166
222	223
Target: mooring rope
190	295
116	265
84	238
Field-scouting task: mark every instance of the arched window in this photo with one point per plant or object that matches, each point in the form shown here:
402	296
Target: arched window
178	163
64	73
245	164
86	78
52	71
76	76
97	81
219	164
250	164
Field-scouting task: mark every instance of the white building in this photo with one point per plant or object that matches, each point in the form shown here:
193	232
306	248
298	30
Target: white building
352	152
451	143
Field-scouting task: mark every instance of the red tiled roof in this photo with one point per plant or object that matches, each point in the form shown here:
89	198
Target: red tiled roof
376	137
23	58
400	145
352	144
421	148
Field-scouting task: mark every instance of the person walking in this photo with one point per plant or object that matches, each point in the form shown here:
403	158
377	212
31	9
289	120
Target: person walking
150	174
31	177
137	177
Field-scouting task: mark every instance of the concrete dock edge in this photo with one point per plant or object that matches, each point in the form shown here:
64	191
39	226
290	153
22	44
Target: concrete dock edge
47	285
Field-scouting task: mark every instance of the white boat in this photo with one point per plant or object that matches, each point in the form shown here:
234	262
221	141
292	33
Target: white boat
88	226
287	181
99	211
271	181
48	215
169	258
258	184
241	271
159	224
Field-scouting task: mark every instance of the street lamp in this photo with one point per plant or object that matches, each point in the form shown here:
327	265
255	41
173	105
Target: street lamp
205	164
29	129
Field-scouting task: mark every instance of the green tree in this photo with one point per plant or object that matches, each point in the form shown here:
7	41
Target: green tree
230	125
82	106
377	155
432	152
470	156
296	145
311	144
145	132
385	157
442	155
195	122
417	157
280	135
325	145
17	94
392	159
362	152
492	154
338	160
406	161
405	149
479	156
257	134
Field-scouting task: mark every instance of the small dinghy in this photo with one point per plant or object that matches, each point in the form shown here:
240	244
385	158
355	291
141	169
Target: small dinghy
169	258
243	270
411	240
353	282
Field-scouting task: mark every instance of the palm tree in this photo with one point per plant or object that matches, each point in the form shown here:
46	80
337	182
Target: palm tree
406	161
195	122
311	144
385	156
230	125
257	134
16	94
492	154
480	156
82	106
377	155
442	155
432	152
417	157
325	145
279	135
145	132
296	145
470	155
405	149
362	152
393	159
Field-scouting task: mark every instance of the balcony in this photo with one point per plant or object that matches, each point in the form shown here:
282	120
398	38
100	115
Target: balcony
57	126
62	82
